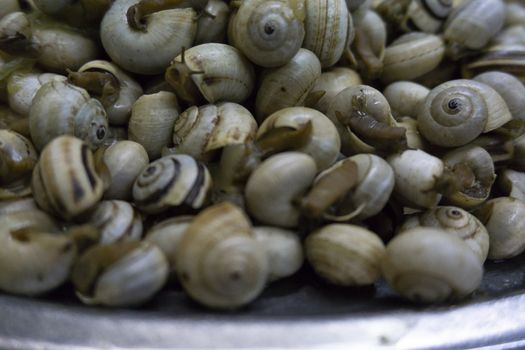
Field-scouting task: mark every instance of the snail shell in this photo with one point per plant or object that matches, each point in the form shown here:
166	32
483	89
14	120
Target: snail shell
472	24
152	120
508	58
219	262
345	255
17	160
117	221
64	181
269	33
326	27
515	14
124	160
60	108
201	131
149	51
167	235
324	142
456	112
404	98
34	258
116	103
416	173
275	183
119	274
503	219
510	88
414	138
479	163
22	88
412	55
287	86
457	222
212	26
172	181
213	72
284	251
429	265
513	183
17	204
330	83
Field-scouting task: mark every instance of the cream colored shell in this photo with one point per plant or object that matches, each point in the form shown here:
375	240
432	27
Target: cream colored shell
117	221
404	98
345	255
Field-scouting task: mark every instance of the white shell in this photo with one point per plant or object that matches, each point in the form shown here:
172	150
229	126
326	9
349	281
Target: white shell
117	221
404	98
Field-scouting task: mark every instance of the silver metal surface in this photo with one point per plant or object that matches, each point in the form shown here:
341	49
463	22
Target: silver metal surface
301	313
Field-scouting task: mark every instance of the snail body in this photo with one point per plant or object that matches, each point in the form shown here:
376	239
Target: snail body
219	262
60	108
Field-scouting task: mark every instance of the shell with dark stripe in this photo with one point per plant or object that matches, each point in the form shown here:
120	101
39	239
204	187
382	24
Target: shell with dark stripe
172	181
117	221
64	181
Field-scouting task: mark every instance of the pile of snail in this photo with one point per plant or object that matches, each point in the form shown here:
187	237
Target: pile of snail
222	145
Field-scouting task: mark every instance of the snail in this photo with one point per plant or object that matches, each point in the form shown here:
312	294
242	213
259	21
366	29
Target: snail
288	85
345	255
414	138
219	262
269	33
55	46
502	219
368	47
167	235
34	257
117	221
170	182
65	182
329	84
151	122
145	42
60	108
404	98
284	251
429	265
119	274
411	56
326	28
514	14
18	157
421	178
124	161
211	72
510	89
76	13
13	121
23	86
476	167
212	25
275	184
111	86
457	222
472	24
202	131
355	188
512	182
322	144
364	121
456	112
17	204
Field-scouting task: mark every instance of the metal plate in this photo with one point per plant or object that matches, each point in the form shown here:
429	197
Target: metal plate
299	312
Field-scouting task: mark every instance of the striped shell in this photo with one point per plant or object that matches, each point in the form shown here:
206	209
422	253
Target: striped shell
117	221
172	181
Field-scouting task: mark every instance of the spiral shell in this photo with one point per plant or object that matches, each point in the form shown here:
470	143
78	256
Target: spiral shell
287	86
64	180
429	265
34	258
117	221
172	181
269	33
149	51
323	144
457	222
212	26
201	131
326	27
212	72
119	274
60	108
219	262
456	112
